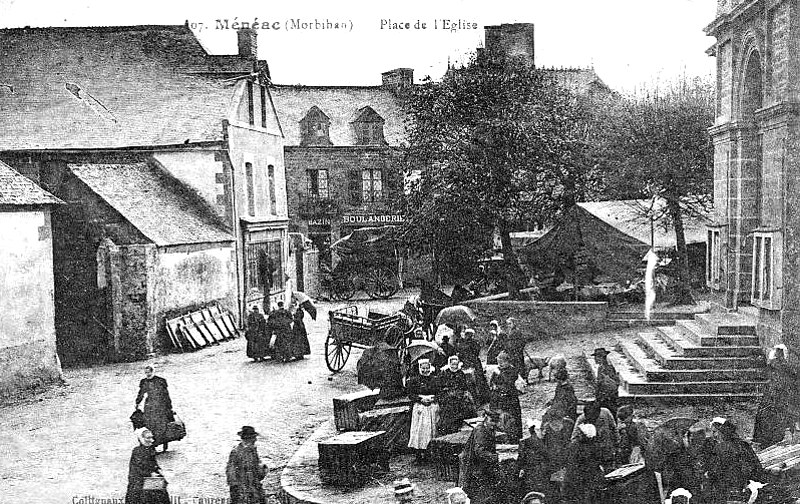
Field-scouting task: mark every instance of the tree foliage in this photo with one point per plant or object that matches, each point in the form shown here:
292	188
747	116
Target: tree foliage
657	145
493	145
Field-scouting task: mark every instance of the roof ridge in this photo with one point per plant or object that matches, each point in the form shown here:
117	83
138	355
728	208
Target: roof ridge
95	28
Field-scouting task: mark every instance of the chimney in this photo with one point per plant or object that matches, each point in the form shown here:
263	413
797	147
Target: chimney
248	43
399	78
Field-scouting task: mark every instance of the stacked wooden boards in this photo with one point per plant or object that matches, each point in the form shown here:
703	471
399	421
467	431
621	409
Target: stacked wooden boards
780	458
201	328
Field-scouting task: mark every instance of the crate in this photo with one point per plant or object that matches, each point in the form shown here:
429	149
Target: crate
395	421
350	458
347	407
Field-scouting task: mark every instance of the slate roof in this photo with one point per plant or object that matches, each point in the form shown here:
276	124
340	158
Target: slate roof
579	80
109	87
341	104
18	190
627	217
154	203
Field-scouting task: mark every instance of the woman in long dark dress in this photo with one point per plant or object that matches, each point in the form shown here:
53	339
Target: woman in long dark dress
300	335
564	396
533	463
469	351
279	323
773	416
157	406
733	463
142	465
505	398
256	335
455	401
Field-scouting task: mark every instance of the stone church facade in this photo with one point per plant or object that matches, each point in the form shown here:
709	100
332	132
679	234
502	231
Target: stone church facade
754	243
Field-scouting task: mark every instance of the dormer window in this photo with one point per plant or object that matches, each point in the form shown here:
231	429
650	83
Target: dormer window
368	127
315	128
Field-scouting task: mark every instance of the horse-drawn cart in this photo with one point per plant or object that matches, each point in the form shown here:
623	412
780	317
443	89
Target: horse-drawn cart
348	329
368	261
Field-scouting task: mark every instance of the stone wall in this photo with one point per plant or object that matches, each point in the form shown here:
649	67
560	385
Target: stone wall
537	319
190	277
27	331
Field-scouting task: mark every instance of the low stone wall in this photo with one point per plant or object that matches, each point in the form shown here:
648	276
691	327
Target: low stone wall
538	319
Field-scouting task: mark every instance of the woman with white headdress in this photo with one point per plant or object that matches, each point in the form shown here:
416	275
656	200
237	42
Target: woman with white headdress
422	389
773	416
143	465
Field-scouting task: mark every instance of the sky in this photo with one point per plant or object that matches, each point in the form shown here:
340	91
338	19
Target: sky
631	44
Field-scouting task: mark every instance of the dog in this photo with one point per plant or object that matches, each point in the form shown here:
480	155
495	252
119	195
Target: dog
554	363
532	363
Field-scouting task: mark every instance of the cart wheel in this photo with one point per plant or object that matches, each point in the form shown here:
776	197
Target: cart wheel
342	288
337	352
381	283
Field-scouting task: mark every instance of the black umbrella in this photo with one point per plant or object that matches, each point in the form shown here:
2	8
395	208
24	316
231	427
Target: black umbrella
305	302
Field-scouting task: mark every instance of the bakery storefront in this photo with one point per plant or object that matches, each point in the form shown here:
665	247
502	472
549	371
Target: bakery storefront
355	221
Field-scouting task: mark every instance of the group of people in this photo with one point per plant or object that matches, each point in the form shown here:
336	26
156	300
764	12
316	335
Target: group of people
281	335
244	471
566	460
565	455
146	482
451	384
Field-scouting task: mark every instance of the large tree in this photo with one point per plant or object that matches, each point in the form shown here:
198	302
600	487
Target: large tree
495	143
656	145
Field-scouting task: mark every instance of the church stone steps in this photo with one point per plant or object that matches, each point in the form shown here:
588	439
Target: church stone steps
670	359
725	324
715	357
652	371
668	399
685	347
698	387
694	332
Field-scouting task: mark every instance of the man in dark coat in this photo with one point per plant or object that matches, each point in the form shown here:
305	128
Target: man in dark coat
607	383
478	474
256	335
158	405
279	323
245	471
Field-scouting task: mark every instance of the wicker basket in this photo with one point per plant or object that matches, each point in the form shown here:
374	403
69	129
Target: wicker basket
154	483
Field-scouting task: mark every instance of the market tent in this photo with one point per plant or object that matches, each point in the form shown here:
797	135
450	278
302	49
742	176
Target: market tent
605	239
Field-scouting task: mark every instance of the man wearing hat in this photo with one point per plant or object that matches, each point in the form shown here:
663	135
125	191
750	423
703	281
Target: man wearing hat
245	470
607	383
